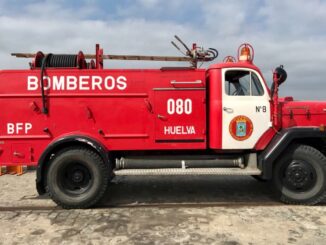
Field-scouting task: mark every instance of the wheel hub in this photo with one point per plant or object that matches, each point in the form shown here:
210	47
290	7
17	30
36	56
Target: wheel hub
75	178
78	176
300	176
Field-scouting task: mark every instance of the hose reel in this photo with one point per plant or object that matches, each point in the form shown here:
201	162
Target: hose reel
59	60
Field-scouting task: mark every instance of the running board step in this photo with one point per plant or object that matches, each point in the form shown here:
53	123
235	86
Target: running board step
189	171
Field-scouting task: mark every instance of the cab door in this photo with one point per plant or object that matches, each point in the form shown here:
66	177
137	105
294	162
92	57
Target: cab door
245	108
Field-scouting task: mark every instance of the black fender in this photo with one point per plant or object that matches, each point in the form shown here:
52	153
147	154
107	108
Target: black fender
280	142
61	143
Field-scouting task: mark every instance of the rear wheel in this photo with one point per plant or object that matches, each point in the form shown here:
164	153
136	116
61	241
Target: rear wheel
300	176
77	178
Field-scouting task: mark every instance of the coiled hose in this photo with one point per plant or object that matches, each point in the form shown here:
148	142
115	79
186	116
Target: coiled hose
61	60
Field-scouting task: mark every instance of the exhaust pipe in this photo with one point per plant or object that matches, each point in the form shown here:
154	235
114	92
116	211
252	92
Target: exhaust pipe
155	163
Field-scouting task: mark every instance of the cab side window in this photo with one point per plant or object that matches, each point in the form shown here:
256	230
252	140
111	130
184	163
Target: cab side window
242	83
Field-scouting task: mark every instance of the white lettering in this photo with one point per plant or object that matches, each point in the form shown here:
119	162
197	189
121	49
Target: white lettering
179	106
19	127
188	106
10	128
28	126
71	83
58	83
179	130
167	130
121	83
191	130
112	83
170	106
83	83
32	83
97	82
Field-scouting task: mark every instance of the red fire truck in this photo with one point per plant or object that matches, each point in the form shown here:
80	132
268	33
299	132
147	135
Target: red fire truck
81	124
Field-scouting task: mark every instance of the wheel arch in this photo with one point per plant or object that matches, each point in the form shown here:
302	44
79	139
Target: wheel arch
61	143
311	136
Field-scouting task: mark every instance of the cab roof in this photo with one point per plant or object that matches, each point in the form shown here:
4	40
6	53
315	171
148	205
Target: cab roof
234	65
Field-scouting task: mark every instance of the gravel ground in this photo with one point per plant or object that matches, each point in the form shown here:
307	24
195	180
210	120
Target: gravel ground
160	210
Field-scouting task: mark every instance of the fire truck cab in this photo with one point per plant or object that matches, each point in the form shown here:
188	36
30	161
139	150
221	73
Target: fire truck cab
81	125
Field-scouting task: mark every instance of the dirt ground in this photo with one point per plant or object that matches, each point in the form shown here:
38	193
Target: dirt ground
160	210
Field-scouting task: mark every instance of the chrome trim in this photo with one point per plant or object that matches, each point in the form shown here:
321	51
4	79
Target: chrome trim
174	82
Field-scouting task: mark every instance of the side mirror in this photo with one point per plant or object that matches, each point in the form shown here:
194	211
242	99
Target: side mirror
279	77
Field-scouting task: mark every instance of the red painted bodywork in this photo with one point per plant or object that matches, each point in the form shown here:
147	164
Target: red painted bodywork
119	119
215	108
265	139
302	113
131	117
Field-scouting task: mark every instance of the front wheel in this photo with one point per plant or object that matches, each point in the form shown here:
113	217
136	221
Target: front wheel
299	176
77	178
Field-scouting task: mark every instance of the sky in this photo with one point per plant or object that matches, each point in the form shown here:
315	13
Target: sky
287	32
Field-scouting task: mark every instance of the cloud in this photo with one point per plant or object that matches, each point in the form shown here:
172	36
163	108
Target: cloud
289	33
149	3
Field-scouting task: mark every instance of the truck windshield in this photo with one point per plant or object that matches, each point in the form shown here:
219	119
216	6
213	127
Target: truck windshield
242	83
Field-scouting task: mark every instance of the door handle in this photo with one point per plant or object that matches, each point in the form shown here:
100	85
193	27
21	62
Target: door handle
18	154
228	110
163	118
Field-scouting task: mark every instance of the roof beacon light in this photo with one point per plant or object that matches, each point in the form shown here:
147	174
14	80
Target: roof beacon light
229	59
246	53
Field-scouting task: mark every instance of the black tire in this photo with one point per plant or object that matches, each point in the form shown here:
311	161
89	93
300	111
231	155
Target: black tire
299	176
77	178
